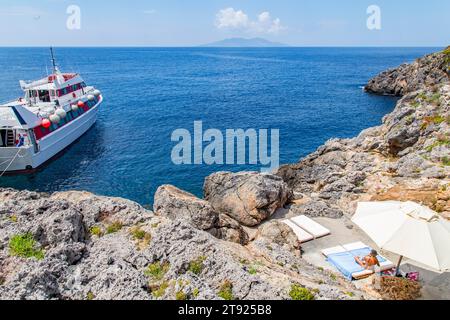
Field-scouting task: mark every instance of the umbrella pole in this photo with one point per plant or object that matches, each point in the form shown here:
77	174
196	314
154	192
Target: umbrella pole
397	270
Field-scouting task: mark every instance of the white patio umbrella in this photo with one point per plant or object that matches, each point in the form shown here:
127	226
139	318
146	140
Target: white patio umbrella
407	229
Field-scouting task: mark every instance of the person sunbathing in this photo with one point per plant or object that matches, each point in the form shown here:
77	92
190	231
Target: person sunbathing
369	262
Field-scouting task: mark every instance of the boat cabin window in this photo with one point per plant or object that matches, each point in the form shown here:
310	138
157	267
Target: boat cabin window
41	95
7	138
44	95
13	138
70	89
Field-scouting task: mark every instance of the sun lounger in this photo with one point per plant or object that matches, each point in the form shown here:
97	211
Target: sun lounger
343	258
311	226
301	234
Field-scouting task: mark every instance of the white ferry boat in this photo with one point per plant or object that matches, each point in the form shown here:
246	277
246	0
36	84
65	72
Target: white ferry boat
53	113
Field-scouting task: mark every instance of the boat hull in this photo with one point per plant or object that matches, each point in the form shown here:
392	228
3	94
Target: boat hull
25	160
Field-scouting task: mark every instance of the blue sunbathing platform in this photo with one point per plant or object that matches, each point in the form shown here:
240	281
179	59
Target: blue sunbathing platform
344	261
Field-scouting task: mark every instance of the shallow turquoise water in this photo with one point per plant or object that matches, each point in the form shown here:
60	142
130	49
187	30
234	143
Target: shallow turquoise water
310	94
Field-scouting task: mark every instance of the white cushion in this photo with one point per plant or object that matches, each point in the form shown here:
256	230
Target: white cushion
362	274
387	265
301	234
355	246
338	249
311	226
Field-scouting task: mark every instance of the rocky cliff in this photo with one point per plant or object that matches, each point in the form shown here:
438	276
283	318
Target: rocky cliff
428	71
406	158
76	245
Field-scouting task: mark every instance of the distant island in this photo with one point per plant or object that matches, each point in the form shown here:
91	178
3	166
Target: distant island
244	42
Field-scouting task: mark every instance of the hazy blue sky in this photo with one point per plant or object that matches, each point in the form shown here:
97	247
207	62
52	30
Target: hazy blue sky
194	22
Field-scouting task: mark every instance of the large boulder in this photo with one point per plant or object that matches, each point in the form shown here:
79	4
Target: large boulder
400	138
230	230
103	209
176	204
248	197
279	233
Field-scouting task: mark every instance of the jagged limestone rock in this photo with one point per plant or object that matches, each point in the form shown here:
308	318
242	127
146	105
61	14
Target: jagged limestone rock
176	204
247	197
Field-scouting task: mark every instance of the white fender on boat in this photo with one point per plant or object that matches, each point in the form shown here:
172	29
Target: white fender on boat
90	97
61	113
74	107
44	114
55	118
97	93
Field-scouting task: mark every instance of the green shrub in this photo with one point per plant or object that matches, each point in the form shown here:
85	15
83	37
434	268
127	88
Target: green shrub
196	266
422	96
90	296
96	231
410	120
138	234
252	270
300	293
446	161
24	246
114	227
226	290
13	218
437	119
160	290
350	294
181	296
447	57
415	104
157	270
196	292
435	98
440	142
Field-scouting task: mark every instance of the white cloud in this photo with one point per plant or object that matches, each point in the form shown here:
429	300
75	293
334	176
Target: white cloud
266	24
230	18
237	19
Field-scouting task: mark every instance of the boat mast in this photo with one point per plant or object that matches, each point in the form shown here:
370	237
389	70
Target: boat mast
55	68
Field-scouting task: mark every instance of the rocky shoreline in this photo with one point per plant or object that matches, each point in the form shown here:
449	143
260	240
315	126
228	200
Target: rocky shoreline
80	246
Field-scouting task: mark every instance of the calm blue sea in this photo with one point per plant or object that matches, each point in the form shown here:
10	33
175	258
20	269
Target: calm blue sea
310	94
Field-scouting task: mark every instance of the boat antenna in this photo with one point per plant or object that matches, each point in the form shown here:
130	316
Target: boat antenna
55	68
